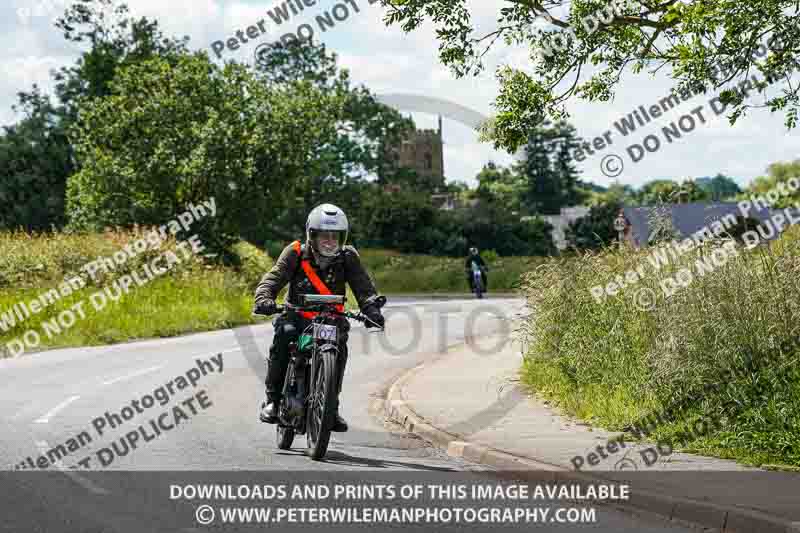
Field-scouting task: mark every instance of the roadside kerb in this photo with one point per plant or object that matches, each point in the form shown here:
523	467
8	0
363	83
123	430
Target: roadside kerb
722	518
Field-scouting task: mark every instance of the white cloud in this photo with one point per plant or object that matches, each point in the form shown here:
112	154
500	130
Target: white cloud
19	74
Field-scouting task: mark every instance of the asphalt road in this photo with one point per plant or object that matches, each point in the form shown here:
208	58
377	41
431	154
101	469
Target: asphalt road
63	403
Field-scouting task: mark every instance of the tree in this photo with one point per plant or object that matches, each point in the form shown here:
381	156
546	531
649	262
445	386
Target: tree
404	221
543	188
566	140
35	160
495	228
668	191
705	44
595	230
690	191
365	127
36	156
778	175
721	188
656	191
115	40
616	193
588	193
548	172
407	221
168	135
501	187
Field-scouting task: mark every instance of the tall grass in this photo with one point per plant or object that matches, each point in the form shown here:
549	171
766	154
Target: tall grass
731	334
195	296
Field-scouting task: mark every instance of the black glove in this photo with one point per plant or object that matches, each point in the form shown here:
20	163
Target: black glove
265	307
375	317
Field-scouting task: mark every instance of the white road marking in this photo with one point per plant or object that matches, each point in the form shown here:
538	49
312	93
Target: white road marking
46	418
83	482
135	374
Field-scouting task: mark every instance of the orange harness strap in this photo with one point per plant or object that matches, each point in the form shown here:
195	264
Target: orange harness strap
315	281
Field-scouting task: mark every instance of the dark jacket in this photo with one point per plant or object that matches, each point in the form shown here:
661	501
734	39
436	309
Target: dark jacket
346	268
468	263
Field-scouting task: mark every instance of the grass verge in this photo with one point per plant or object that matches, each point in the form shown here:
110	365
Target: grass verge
396	273
722	350
193	297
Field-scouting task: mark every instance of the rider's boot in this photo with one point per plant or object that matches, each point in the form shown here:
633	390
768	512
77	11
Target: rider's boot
340	424
272	398
269	409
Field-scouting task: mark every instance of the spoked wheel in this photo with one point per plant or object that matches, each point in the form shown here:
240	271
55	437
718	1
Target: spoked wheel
284	437
320	410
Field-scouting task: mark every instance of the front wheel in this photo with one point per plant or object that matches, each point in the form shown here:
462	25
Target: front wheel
321	408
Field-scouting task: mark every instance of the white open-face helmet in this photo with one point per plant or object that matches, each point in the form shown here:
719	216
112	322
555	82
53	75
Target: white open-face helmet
327	230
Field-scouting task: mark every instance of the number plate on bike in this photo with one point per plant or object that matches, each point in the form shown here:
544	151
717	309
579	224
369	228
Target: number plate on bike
325	332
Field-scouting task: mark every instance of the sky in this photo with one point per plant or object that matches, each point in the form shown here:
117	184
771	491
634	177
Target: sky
389	61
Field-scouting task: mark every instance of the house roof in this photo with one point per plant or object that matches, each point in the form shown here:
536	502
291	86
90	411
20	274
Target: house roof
688	218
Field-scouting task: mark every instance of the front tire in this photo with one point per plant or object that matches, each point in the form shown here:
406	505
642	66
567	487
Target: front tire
321	410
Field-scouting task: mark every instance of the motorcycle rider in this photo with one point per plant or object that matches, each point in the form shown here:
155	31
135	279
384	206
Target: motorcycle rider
474	257
324	263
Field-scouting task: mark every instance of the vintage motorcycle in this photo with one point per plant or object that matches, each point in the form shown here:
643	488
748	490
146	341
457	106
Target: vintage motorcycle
310	387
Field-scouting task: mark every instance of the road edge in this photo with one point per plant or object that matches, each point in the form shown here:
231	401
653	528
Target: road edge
702	514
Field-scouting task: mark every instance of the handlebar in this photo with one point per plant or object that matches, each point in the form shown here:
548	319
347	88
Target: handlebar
323	308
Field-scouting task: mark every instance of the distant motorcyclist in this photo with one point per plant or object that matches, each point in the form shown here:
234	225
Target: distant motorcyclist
474	257
325	261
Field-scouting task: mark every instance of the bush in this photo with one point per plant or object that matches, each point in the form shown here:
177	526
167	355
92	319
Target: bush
489	256
274	248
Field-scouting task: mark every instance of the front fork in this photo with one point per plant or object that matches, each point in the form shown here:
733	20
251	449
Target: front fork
341	364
